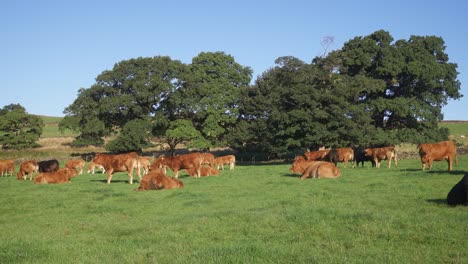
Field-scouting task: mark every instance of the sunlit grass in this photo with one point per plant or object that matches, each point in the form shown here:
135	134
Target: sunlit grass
254	214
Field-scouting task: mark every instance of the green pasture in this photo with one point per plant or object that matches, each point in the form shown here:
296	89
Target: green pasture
458	131
254	214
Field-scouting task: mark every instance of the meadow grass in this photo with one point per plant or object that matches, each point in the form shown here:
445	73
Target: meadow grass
254	214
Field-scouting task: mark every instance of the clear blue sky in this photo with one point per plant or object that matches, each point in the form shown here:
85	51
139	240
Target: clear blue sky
50	49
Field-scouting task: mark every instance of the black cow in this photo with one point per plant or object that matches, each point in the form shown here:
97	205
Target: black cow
360	156
48	165
458	195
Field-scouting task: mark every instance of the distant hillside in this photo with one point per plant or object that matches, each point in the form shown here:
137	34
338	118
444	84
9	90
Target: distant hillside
51	128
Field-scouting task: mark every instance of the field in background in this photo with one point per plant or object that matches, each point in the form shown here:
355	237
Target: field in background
254	214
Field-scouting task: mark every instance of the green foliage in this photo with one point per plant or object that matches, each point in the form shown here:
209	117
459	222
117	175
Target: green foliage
133	89
254	214
19	129
133	137
210	94
372	91
182	131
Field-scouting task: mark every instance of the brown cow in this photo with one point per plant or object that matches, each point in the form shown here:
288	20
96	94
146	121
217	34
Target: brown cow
445	150
321	169
204	171
7	167
316	155
228	159
60	176
119	163
28	167
300	165
385	153
157	180
345	155
77	164
92	166
186	161
208	159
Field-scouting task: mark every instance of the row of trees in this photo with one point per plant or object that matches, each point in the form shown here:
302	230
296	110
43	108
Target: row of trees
373	90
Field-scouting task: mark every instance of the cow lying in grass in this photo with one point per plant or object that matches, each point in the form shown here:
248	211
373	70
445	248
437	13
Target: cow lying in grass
157	180
60	176
204	171
321	169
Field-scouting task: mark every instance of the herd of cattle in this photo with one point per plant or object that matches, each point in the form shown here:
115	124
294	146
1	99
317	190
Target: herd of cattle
313	164
155	178
323	163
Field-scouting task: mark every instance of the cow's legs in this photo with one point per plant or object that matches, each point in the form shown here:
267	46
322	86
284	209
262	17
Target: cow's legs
449	161
109	175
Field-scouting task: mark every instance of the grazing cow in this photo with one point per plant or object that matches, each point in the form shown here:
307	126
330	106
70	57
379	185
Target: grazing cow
59	176
458	195
321	169
156	179
145	163
92	166
360	156
445	150
204	171
300	165
186	161
316	155
28	167
228	159
118	163
77	164
7	167
159	164
208	159
385	153
48	165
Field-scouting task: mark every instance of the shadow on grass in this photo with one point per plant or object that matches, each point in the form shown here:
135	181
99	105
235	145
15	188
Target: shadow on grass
115	181
437	201
291	175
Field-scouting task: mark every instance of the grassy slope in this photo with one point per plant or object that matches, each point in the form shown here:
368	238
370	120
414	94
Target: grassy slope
254	214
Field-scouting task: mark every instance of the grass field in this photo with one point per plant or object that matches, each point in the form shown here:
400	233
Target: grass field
254	214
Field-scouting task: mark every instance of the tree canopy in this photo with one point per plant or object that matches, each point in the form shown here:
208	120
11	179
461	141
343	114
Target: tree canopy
19	129
373	90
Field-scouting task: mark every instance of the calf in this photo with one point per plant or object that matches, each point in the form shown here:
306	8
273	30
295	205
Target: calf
379	154
92	166
59	176
28	167
48	165
144	164
228	159
77	164
321	169
157	180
